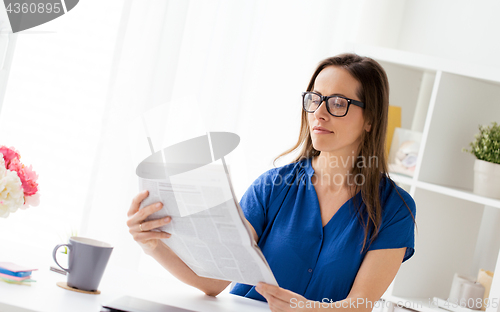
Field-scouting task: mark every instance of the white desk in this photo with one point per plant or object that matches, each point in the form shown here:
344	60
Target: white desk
44	295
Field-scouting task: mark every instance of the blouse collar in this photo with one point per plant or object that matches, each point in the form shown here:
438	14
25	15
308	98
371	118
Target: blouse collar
307	163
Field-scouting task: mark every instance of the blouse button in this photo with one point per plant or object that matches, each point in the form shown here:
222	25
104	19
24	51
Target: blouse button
310	270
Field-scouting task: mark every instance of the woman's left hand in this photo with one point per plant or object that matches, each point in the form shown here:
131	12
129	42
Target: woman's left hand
281	299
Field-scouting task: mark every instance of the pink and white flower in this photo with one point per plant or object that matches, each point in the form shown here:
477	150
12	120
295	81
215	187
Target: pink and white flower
18	187
9	154
11	191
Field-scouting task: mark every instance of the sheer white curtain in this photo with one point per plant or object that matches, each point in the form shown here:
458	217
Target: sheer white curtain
202	66
83	97
52	113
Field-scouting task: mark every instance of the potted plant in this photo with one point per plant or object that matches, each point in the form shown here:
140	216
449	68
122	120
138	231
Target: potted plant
486	148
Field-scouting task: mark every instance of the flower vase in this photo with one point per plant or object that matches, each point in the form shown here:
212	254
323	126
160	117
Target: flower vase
487	179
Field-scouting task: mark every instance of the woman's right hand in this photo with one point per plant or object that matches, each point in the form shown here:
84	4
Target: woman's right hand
140	230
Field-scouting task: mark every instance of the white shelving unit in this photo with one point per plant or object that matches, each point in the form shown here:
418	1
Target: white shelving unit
457	231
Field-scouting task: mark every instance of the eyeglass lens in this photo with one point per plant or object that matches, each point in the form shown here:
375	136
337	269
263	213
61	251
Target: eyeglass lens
336	105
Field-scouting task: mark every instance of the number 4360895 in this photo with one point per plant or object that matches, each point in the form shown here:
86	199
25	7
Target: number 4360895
33	8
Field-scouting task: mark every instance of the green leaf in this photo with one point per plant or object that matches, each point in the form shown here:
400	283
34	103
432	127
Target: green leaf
486	145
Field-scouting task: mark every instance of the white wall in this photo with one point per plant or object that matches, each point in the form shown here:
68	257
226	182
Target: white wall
462	30
379	22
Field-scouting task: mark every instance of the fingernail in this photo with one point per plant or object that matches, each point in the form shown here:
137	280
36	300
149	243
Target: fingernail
167	219
144	192
158	205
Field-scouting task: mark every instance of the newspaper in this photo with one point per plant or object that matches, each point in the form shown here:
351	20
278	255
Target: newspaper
208	227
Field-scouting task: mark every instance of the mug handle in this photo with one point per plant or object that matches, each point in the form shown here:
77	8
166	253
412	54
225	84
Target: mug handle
54	253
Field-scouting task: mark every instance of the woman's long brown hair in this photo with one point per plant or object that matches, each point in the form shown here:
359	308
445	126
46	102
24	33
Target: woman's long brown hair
371	159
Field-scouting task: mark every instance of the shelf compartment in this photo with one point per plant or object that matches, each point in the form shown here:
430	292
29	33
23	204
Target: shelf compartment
445	243
406	84
461	105
459	193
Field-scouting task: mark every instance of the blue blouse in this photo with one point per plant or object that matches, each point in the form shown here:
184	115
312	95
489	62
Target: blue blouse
314	261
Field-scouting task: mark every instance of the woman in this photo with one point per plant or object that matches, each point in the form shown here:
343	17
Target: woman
332	225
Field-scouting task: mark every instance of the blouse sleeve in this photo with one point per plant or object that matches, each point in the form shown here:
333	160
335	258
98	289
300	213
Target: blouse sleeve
397	230
256	199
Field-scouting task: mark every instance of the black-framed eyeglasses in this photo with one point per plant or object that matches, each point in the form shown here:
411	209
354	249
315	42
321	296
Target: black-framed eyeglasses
338	106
